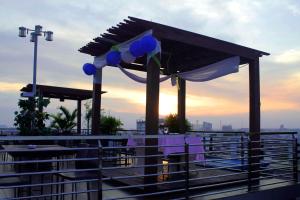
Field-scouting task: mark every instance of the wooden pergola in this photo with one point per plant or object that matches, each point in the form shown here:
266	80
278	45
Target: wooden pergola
181	51
63	93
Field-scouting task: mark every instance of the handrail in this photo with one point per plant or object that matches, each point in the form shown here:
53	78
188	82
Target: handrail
231	158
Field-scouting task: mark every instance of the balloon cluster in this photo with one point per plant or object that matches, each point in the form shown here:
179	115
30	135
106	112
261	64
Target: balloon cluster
145	45
138	48
89	69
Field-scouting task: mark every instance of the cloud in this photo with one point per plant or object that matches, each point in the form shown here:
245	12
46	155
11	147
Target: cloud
294	8
289	56
134	99
259	24
8	87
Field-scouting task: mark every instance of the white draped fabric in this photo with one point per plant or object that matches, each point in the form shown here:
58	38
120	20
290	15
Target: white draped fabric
212	71
138	78
209	72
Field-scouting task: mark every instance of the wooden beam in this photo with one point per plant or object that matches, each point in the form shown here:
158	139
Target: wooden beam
181	105
96	104
172	33
152	114
254	124
79	117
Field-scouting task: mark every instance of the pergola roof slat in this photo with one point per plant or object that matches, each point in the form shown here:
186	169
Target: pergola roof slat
61	92
181	50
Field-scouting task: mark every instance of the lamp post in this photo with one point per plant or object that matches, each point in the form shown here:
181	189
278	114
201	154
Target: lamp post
23	31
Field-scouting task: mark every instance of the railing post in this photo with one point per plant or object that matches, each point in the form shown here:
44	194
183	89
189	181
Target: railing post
187	171
210	142
249	168
242	152
100	156
295	160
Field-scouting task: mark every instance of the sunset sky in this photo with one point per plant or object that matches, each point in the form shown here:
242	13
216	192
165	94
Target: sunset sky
269	25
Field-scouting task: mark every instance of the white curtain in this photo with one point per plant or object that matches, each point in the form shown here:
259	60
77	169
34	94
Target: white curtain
209	72
138	78
213	71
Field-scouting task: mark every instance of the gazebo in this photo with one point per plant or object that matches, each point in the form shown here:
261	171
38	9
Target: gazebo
63	93
181	51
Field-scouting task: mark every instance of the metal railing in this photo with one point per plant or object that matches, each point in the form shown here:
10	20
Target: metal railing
109	167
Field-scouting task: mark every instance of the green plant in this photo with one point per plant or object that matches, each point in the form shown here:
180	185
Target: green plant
64	121
110	124
172	122
88	114
30	120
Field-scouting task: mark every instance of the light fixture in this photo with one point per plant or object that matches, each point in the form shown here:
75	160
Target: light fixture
32	37
22	31
38	30
48	35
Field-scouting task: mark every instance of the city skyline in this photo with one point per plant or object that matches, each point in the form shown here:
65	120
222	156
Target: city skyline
243	22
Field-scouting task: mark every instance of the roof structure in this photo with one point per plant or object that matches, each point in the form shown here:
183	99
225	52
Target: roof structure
61	92
181	50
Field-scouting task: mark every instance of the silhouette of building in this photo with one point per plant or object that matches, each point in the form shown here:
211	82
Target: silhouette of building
227	127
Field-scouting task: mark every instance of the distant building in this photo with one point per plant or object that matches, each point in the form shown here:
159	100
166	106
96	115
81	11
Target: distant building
207	126
3	126
197	126
141	125
227	128
282	127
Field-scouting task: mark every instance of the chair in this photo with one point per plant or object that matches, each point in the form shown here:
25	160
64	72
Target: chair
129	153
14	181
77	176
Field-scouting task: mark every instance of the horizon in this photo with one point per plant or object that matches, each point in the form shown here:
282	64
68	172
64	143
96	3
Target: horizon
271	26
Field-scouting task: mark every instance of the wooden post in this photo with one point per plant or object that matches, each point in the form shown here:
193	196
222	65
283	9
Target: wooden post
254	126
79	117
96	104
181	105
152	115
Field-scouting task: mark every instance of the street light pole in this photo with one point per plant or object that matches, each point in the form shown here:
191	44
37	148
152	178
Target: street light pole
34	38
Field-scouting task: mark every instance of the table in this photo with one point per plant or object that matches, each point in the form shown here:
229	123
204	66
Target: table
171	144
41	152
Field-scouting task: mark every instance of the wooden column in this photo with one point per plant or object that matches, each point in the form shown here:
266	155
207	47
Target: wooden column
78	116
254	124
152	115
96	104
181	105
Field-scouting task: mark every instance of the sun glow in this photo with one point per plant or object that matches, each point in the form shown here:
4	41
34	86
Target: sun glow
167	104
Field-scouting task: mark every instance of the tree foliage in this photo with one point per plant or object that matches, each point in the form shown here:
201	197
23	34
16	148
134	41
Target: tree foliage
172	122
30	119
88	114
110	124
64	121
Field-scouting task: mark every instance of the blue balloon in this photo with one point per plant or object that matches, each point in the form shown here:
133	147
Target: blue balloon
89	69
136	49
148	43
113	58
